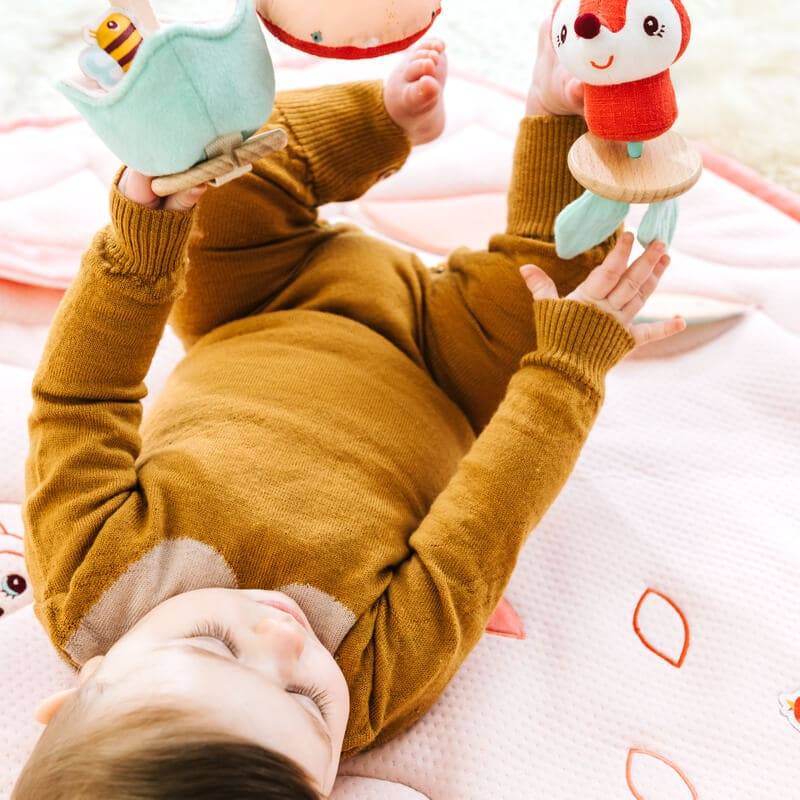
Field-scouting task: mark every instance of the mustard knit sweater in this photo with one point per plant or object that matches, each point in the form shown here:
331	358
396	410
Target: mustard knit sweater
372	437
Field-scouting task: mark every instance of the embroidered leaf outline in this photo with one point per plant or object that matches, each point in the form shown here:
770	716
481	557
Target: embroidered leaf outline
650	761
649	596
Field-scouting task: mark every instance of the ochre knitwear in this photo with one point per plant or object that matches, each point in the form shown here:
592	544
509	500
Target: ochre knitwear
372	437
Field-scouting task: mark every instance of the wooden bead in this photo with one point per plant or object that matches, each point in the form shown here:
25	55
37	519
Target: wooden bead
668	167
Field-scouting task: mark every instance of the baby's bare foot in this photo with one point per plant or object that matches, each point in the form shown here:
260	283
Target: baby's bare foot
413	92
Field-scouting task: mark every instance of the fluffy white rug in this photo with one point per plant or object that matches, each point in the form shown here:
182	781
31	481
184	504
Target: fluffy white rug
738	85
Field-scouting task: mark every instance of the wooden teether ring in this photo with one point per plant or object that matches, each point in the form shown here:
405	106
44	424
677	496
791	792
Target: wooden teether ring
215	168
667	168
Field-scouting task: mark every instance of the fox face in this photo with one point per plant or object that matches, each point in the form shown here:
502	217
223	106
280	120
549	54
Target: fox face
607	42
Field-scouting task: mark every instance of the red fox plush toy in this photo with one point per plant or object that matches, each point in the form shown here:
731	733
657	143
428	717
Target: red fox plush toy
622	51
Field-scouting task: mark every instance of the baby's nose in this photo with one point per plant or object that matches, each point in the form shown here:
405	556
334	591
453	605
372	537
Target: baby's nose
282	637
587	26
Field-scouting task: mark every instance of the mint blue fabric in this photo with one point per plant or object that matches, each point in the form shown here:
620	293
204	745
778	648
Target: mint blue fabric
635	149
188	85
659	223
587	221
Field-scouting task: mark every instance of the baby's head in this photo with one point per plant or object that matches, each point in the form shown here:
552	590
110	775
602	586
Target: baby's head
215	693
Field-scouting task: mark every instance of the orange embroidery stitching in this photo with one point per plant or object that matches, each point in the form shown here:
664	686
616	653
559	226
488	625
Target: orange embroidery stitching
6	532
679	662
635	751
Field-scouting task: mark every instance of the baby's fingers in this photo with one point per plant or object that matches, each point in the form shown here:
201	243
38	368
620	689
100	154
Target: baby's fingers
186	200
539	283
603	279
648	332
639	281
136	187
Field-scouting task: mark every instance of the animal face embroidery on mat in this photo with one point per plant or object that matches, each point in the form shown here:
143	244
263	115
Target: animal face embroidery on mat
14	583
113	44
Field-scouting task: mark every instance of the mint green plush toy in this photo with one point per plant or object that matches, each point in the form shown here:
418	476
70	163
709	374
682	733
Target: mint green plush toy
165	98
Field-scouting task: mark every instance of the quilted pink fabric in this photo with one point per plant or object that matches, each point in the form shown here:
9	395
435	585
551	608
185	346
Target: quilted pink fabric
648	648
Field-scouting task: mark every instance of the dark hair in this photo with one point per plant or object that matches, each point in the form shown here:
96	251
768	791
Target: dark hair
156	754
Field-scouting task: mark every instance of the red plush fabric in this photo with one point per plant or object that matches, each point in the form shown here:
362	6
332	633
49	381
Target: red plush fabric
632	112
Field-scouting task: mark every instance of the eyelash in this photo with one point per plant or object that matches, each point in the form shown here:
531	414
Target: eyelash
214	630
317	696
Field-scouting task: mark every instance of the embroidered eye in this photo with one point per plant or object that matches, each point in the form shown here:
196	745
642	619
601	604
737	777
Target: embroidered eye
652	27
13	585
113	25
562	36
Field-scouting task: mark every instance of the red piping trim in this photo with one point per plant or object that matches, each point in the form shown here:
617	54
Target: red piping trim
350	53
751	181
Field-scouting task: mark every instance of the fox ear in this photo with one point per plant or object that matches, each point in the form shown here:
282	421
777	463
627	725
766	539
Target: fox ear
686	27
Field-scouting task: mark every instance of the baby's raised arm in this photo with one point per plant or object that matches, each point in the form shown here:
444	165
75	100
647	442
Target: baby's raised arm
81	473
439	600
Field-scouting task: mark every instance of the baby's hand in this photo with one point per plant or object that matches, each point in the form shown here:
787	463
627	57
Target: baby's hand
137	187
616	288
553	92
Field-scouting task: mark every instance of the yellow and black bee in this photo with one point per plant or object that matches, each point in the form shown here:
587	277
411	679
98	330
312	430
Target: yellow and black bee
118	36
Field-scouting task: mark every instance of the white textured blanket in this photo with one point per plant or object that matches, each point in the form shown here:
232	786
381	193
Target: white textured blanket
658	657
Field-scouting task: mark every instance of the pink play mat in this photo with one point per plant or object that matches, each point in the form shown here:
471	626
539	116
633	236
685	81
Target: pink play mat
646	647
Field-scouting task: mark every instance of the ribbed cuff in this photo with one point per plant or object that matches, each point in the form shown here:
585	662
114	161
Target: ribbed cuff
578	339
146	244
541	184
346	137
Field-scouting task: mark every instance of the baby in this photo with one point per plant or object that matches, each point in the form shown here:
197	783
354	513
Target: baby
287	561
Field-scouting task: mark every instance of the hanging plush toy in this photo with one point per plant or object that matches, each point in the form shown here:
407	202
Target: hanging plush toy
349	28
180	101
622	51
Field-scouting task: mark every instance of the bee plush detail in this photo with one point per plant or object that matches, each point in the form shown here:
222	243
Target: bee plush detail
181	102
113	44
622	51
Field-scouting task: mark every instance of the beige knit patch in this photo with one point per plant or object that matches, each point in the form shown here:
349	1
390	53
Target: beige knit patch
172	567
330	619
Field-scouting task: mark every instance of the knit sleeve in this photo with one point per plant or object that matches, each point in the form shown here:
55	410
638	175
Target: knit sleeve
439	600
84	426
477	324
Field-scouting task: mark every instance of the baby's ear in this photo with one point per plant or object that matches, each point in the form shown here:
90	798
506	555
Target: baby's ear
47	708
89	669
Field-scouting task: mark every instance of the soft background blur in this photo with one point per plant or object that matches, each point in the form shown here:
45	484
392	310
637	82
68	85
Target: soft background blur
738	84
